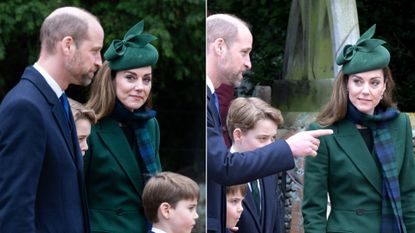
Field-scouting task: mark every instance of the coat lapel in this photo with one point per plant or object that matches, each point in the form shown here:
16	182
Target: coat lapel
355	148
250	209
211	108
32	75
113	137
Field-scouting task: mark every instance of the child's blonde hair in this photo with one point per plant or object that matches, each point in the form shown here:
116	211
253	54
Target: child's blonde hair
244	113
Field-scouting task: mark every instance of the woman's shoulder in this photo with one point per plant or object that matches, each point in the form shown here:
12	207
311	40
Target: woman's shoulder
153	124
316	125
402	119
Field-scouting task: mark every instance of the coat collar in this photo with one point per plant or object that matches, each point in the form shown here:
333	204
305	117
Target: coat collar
350	140
113	137
250	209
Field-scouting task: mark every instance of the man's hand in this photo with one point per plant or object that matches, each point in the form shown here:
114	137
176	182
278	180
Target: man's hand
306	143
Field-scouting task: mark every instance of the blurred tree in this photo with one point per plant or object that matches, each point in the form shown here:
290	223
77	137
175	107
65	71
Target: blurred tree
396	25
269	22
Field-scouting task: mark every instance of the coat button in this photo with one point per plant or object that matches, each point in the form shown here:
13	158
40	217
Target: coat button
119	211
360	211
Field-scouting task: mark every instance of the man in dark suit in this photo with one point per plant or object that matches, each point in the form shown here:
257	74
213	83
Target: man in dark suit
229	42
41	167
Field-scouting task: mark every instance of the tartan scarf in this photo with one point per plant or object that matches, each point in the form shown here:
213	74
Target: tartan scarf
137	121
392	217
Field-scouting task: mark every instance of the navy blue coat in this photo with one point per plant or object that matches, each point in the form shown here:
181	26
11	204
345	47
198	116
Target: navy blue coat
272	214
225	168
41	180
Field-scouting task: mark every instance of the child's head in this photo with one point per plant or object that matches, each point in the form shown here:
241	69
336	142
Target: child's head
234	197
84	118
170	201
252	123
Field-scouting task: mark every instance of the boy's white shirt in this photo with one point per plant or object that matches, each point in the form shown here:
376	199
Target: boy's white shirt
156	230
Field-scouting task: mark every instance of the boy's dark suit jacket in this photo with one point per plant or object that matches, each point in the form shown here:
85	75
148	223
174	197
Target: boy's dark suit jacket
272	214
41	184
225	168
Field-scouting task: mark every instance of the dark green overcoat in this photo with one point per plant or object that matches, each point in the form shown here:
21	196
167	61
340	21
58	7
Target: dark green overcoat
114	181
351	175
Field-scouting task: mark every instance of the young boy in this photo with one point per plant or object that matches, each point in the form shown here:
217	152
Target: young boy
84	119
170	202
234	197
253	123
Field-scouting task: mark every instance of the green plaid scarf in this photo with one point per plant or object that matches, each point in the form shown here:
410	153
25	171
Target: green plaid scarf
137	121
392	219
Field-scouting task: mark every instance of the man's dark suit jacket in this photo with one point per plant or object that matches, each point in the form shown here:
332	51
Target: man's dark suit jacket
272	214
41	180
225	168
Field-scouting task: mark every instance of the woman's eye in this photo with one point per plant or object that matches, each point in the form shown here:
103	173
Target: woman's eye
375	83
129	77
357	81
147	79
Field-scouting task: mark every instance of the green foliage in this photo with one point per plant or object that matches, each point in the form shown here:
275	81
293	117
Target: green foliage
19	31
177	23
269	22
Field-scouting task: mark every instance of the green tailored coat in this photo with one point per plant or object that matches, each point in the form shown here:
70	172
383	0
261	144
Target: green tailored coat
114	181
351	175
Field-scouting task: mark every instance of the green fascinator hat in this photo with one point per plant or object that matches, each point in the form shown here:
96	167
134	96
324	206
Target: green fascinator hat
134	51
367	54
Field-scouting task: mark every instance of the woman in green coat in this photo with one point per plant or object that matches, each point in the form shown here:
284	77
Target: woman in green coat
124	144
367	166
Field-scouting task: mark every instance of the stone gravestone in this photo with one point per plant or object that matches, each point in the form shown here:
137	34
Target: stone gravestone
317	30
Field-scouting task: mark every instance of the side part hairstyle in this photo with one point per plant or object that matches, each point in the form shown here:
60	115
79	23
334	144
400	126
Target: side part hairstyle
244	113
167	187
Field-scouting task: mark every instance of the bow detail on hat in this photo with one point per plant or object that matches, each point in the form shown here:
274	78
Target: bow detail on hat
133	38
365	44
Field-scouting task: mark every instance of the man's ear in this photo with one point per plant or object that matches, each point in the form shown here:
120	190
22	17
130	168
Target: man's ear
67	45
237	135
220	46
165	210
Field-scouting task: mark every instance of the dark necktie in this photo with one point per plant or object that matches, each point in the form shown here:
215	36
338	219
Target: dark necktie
65	104
216	102
256	194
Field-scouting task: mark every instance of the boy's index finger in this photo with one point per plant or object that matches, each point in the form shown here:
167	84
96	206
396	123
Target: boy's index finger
320	132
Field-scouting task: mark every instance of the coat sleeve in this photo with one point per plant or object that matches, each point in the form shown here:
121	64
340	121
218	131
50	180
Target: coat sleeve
407	178
22	151
227	168
314	205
